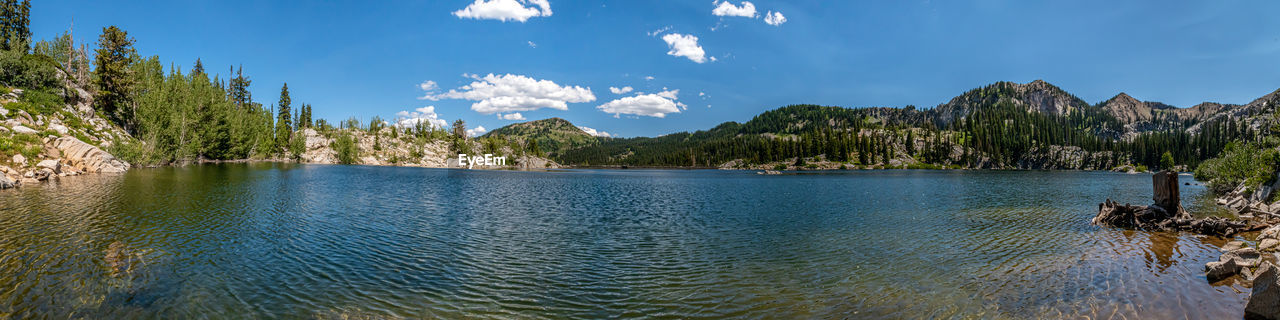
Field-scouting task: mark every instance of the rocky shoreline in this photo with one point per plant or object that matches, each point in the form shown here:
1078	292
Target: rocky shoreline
1256	266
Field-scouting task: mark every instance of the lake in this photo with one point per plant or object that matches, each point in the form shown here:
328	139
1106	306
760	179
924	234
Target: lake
327	241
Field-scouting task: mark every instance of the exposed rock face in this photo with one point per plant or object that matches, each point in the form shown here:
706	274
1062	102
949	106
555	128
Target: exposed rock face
87	158
1265	300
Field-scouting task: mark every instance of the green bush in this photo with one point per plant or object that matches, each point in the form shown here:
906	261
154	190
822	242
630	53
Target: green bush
780	167
21	70
1250	164
346	148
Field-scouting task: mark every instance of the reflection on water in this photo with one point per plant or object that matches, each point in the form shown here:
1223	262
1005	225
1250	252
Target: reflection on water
270	240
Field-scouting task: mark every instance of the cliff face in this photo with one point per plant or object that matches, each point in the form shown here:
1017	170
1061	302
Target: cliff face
1145	116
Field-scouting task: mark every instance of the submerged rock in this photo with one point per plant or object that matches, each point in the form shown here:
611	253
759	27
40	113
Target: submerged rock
1265	300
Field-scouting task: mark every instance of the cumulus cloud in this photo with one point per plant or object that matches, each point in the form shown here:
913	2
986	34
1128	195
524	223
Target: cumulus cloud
532	45
595	132
428	86
622	90
406	119
650	105
511	93
774	18
511	116
505	10
477	131
685	45
649	78
726	9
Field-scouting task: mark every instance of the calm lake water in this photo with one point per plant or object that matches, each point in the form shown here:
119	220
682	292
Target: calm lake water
315	241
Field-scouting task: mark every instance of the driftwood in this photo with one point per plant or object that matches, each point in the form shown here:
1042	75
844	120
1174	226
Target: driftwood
1166	214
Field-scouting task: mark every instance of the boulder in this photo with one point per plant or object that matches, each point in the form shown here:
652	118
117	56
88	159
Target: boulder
42	174
5	183
20	160
1244	257
1232	246
1217	270
1264	303
51	165
24	130
1272	232
1269	245
86	157
60	129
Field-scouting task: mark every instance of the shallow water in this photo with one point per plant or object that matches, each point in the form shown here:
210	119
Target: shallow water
315	241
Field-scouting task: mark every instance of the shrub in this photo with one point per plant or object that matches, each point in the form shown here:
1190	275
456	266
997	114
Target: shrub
1250	164
21	70
346	148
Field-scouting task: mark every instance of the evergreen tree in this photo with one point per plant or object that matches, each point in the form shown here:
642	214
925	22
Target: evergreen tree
460	129
114	55
284	126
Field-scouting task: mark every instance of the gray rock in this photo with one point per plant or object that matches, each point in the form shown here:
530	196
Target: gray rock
60	129
24	130
1244	257
1264	303
1269	233
5	183
51	165
1217	270
20	160
1232	246
1269	244
43	174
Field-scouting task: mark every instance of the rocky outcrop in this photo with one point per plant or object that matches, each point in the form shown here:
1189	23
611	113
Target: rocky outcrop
1264	302
1232	263
86	157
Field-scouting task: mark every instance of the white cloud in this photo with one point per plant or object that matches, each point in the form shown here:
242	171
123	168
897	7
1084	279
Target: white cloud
650	78
477	131
511	116
774	18
595	132
428	86
726	9
622	90
405	119
684	45
532	45
658	32
505	10
651	105
510	93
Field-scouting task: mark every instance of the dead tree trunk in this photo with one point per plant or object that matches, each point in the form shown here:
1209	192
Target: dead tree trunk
1166	197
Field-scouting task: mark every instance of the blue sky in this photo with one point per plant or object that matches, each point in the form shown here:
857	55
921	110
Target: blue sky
353	58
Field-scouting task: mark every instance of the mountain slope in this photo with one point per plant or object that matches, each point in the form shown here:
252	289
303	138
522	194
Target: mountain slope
553	135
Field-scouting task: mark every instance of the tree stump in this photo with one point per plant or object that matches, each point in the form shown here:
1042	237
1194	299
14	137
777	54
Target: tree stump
1165	184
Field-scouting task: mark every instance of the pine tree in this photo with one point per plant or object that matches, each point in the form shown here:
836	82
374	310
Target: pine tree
114	55
284	126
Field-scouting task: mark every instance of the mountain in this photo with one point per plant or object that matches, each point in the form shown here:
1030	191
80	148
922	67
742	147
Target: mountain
1035	96
553	135
1144	116
1035	125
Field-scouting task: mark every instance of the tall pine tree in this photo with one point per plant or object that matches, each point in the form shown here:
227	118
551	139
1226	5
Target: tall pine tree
111	66
284	125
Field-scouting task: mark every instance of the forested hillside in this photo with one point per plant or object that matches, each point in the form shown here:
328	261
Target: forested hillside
1003	125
